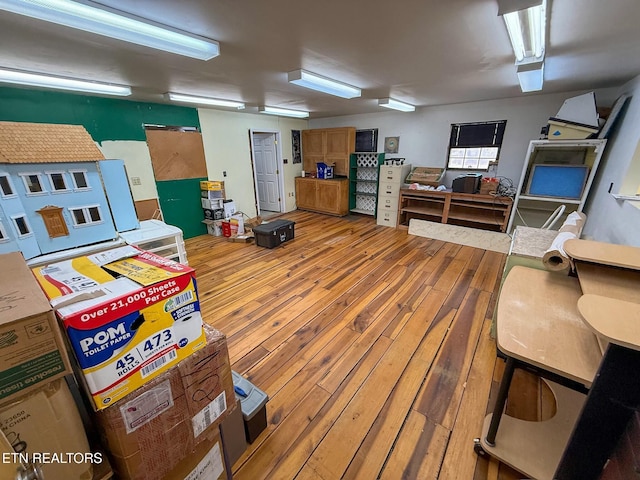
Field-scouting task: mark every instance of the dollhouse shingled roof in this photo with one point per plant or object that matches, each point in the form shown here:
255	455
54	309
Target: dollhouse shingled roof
46	143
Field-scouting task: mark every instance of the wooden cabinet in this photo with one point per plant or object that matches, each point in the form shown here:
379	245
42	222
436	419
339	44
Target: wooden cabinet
487	212
329	145
329	196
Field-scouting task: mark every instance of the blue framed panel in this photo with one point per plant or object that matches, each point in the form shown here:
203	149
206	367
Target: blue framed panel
562	181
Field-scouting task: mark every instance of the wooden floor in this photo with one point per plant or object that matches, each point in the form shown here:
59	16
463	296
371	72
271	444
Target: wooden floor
373	346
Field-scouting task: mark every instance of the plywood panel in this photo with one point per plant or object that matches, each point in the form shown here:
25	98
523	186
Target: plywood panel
176	155
146	208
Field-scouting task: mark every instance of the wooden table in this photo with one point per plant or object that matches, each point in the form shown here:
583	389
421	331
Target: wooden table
584	334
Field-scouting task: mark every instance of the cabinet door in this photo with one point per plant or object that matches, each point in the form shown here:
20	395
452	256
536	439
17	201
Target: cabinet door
341	142
332	197
313	148
306	193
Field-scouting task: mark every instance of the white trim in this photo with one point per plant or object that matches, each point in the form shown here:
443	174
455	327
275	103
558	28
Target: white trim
87	216
26	223
66	188
26	185
76	188
13	193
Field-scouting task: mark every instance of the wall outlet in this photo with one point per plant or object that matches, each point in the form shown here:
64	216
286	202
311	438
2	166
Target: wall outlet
135	181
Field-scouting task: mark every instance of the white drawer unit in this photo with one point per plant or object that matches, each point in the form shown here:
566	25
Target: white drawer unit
392	178
387	218
158	237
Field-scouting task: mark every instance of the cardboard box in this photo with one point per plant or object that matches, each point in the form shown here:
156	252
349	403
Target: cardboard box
44	427
426	176
151	430
32	350
127	319
565	130
217	214
229	208
206	462
213	195
214	227
211	185
234	441
212	204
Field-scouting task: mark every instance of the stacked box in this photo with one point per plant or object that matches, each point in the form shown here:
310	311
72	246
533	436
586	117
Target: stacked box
205	462
212	198
32	350
150	431
129	315
44	428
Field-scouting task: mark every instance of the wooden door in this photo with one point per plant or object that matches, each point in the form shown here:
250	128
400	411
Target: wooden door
313	148
179	165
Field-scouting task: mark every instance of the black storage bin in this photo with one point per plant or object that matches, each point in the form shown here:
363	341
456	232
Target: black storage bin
274	233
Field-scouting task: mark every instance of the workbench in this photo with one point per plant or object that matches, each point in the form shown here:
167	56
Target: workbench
582	335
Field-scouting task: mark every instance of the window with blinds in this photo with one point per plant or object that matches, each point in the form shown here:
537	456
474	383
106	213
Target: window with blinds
473	146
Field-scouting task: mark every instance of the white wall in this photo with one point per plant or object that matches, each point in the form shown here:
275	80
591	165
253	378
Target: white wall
424	134
225	136
611	220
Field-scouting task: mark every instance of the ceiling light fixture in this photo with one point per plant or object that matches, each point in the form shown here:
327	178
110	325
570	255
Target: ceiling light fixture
396	105
323	84
526	24
217	102
112	23
61	83
531	76
283	112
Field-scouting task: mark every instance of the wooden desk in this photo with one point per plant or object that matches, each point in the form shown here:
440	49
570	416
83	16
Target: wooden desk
552	323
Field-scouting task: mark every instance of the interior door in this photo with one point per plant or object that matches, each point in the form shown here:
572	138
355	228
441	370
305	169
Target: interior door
266	162
177	157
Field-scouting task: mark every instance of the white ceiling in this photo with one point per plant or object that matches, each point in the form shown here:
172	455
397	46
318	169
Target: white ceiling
425	52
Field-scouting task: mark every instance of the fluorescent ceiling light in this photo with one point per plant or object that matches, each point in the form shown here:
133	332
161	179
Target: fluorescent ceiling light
178	97
323	84
531	76
283	112
526	29
105	21
395	105
61	83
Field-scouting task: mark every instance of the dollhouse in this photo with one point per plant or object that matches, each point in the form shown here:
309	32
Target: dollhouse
57	191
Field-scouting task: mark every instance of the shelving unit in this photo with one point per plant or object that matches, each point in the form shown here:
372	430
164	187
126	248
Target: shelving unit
533	210
487	212
363	185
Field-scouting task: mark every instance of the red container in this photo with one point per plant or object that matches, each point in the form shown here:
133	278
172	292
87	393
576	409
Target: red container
226	229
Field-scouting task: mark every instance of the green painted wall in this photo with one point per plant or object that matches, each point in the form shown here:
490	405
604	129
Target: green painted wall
104	118
181	205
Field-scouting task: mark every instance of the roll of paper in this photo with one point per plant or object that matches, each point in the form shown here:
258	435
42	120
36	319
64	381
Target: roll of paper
555	258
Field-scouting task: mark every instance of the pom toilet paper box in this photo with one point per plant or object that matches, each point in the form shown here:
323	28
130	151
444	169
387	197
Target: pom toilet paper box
129	315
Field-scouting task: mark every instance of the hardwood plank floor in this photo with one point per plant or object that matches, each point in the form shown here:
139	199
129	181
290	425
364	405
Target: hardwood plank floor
373	346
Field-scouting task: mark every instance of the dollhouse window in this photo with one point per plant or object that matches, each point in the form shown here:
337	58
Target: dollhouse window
32	183
88	215
58	182
79	179
6	189
22	226
3	234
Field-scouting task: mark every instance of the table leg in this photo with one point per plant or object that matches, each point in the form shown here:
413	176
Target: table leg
503	392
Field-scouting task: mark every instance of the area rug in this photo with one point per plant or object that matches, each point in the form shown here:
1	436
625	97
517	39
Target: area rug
472	237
